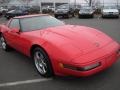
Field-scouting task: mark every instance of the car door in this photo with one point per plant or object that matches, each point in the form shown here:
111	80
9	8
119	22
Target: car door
17	40
10	36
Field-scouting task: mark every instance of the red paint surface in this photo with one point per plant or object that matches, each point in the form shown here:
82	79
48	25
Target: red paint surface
78	46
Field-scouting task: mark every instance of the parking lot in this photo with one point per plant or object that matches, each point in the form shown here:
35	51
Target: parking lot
18	73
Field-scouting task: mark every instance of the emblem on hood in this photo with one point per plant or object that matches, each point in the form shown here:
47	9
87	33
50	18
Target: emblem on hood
97	44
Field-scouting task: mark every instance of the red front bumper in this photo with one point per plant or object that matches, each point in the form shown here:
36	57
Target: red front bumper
106	62
106	57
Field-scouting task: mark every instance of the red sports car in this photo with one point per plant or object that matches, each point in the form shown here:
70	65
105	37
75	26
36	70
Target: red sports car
57	48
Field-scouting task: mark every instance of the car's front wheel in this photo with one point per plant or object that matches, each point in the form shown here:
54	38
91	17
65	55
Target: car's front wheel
117	16
56	16
4	45
42	62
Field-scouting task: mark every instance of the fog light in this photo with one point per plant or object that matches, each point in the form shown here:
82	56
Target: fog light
61	65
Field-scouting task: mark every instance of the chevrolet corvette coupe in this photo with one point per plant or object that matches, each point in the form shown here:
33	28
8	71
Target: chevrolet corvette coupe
57	48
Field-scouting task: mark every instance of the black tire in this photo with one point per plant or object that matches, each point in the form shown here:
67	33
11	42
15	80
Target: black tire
67	16
56	16
8	18
117	16
42	62
103	16
73	15
79	16
92	16
4	44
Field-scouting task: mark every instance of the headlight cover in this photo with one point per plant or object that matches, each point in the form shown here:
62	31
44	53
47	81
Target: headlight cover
86	68
116	12
105	12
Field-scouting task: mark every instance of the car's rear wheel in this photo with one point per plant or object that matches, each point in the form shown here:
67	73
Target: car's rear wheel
92	16
117	17
7	17
67	16
103	16
42	62
4	45
79	16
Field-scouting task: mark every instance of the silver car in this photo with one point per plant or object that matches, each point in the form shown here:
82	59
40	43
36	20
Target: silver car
110	11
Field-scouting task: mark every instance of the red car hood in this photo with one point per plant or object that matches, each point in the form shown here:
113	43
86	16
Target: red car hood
74	40
82	38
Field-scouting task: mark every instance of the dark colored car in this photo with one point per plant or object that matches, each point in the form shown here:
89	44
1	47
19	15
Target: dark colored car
86	11
13	13
64	10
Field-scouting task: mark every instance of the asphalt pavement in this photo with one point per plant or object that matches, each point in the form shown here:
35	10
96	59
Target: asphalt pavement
18	73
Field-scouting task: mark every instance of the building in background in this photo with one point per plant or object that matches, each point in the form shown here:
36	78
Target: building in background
40	3
55	3
48	3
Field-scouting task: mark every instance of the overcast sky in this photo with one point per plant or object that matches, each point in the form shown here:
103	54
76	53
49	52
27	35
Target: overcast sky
105	1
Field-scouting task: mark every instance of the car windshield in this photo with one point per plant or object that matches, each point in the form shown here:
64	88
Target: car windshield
86	8
110	7
66	6
18	11
39	22
12	11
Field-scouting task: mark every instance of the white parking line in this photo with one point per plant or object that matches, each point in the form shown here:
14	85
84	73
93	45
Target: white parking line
23	82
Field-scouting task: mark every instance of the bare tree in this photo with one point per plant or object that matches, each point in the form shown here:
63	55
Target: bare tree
26	1
89	2
4	1
97	3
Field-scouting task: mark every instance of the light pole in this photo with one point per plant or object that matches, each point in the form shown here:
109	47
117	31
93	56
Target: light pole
90	2
75	3
117	3
103	3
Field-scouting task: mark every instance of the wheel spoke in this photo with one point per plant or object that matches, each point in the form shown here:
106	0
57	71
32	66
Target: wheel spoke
37	56
43	68
39	62
3	43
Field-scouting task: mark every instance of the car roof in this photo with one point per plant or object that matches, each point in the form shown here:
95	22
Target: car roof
29	16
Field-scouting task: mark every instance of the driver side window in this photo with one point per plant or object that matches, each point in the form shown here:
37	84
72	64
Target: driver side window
14	24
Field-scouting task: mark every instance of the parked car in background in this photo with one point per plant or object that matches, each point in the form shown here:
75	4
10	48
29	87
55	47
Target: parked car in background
13	13
86	11
118	8
64	10
48	9
110	11
3	10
